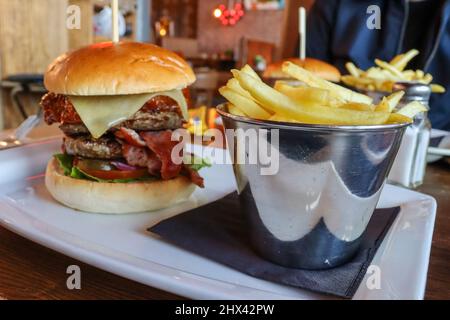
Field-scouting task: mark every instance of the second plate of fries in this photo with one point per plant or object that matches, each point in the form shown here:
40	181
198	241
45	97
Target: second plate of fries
317	101
384	75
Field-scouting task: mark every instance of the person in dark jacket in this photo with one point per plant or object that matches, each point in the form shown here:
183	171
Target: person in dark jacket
339	31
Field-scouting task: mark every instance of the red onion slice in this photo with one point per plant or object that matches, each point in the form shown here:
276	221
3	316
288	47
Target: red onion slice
123	166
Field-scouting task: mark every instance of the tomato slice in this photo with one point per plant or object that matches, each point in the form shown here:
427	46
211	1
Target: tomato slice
116	174
105	171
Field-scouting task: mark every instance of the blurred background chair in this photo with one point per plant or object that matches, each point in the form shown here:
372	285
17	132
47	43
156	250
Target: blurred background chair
22	92
250	49
22	86
205	87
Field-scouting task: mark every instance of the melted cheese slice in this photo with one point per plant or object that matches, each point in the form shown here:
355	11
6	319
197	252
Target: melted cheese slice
99	113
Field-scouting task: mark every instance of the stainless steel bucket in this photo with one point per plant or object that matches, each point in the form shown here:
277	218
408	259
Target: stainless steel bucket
313	212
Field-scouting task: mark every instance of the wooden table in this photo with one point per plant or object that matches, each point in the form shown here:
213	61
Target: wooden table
30	271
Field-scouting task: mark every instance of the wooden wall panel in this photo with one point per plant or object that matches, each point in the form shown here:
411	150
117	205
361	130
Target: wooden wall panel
32	34
84	36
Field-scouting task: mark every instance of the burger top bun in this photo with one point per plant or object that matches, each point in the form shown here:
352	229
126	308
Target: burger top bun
117	69
318	67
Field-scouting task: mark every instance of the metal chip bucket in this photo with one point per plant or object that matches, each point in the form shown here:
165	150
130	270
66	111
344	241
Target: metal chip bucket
313	212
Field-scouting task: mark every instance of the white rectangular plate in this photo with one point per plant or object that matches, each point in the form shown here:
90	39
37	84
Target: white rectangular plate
121	244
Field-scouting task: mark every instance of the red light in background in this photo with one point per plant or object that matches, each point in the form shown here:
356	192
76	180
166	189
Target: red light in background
229	16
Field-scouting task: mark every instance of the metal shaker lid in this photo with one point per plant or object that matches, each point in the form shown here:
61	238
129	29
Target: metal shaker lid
414	91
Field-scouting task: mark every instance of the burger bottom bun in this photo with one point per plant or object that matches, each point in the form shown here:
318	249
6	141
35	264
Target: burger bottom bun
115	198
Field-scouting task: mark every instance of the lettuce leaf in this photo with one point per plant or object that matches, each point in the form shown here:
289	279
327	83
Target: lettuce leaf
66	163
77	173
196	163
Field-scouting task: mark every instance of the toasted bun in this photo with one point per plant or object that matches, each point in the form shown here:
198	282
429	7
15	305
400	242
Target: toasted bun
115	69
115	198
318	67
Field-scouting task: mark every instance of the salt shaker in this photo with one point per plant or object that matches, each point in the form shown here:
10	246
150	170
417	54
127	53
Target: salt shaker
408	169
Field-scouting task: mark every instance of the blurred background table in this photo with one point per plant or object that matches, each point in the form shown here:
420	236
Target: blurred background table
31	271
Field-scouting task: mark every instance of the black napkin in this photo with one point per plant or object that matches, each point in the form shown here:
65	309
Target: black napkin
217	231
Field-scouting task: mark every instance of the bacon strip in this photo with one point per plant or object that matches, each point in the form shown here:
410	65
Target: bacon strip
193	176
157	157
154	164
142	157
130	136
135	156
58	109
161	144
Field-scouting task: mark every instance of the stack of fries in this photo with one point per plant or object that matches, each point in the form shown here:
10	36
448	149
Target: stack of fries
318	102
386	74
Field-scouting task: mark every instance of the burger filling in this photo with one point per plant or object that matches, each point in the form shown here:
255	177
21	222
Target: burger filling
122	139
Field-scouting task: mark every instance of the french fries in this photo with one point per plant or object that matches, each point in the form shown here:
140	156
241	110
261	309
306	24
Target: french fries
248	70
411	109
437	88
236	111
354	71
394	99
386	74
234	85
386	66
383	106
389	103
319	102
246	105
279	103
357	106
401	61
311	96
280	118
312	80
396	118
268	97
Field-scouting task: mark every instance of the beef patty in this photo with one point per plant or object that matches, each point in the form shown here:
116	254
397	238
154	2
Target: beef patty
141	121
84	146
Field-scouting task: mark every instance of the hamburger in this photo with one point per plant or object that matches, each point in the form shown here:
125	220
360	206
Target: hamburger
117	105
318	67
